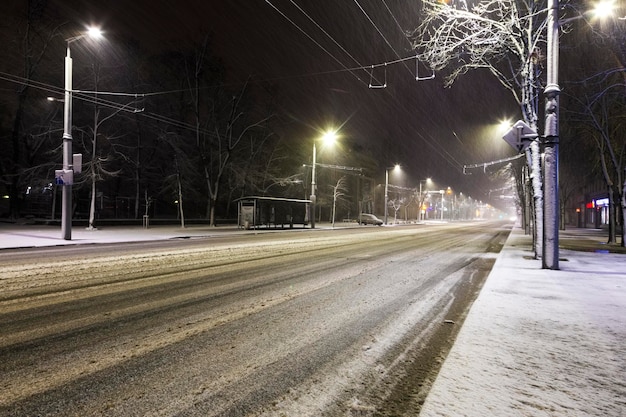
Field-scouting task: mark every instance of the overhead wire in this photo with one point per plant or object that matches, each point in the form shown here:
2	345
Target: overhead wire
431	143
417	76
325	32
86	97
442	152
311	38
379	32
396	21
352	70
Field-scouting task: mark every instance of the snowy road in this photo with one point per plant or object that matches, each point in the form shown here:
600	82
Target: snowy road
339	323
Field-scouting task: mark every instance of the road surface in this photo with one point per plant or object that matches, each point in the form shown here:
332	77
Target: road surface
352	322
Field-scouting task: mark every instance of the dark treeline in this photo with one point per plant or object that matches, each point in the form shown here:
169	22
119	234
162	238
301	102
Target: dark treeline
182	141
187	141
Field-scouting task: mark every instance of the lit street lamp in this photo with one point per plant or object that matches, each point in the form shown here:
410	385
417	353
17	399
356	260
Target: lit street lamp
328	138
451	202
427	181
397	169
65	177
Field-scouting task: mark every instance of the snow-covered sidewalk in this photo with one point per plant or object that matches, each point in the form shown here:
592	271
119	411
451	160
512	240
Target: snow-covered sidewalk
540	342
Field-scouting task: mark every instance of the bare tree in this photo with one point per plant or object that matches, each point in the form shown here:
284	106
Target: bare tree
177	181
502	37
596	108
339	190
229	134
222	122
98	164
396	205
603	122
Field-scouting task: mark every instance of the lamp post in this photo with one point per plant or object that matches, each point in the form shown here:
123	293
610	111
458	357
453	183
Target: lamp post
427	180
550	247
450	203
328	137
66	176
395	168
442	192
550	255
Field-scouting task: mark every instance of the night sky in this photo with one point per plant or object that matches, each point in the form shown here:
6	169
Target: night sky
306	48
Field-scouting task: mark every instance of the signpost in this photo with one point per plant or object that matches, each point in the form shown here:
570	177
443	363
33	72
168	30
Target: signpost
520	135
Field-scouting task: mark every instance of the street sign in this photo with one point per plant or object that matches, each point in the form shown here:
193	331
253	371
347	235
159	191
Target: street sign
63	177
77	163
520	136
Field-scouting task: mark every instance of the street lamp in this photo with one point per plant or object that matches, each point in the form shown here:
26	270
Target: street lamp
550	247
396	168
328	138
604	9
65	177
427	181
450	203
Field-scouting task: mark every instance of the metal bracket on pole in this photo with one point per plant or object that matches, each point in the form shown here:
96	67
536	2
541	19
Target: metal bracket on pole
484	165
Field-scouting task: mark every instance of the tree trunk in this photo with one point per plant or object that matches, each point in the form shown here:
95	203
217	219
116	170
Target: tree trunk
535	175
209	201
612	217
213	201
181	211
179	184
623	204
14	195
94	147
137	192
92	204
334	208
212	213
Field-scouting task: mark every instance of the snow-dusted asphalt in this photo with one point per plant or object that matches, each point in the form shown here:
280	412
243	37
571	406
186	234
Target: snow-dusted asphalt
535	343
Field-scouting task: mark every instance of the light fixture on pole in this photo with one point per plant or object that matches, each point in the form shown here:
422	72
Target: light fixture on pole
395	168
65	177
329	138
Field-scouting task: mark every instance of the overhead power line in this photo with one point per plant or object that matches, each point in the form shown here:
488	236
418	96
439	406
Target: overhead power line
87	97
379	31
326	33
311	38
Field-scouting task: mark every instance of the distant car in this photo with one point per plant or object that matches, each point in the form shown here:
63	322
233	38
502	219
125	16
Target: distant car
370	219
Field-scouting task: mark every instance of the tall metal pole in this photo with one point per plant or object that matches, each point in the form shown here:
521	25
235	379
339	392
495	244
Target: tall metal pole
550	250
442	203
313	187
386	191
421	201
66	204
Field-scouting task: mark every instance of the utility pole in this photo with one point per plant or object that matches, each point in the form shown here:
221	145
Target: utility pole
550	255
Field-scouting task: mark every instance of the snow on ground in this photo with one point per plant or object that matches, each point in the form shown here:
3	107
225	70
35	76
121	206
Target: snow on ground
540	342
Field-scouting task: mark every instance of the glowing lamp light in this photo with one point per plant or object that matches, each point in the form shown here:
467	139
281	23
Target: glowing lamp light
94	32
329	137
603	9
